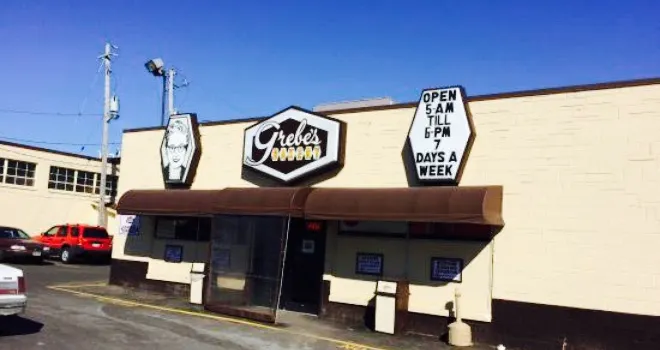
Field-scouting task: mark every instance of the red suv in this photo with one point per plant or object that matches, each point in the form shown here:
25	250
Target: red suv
72	241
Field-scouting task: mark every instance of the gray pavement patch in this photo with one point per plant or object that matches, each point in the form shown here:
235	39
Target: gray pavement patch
316	331
340	342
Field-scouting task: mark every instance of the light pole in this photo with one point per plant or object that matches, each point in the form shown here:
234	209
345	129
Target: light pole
157	68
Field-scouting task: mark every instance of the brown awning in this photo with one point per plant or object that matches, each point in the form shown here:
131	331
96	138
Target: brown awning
246	201
472	205
262	201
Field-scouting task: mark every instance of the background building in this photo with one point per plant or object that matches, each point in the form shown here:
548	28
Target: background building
576	261
40	188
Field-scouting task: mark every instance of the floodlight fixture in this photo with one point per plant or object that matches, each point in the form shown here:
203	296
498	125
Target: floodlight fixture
156	67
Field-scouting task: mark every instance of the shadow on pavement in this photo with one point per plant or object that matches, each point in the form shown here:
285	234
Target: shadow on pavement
89	262
17	325
34	263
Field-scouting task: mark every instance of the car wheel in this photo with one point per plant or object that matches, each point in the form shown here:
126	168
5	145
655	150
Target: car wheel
65	255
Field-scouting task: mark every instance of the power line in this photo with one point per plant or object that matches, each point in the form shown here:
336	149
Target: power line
89	89
54	143
16	111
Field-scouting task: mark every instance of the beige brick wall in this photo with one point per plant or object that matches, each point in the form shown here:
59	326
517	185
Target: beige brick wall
581	176
580	173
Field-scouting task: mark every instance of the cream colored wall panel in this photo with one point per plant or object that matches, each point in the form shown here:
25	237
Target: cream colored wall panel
581	178
437	298
360	292
169	272
193	252
592	200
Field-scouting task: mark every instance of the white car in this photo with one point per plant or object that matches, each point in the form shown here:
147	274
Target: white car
13	298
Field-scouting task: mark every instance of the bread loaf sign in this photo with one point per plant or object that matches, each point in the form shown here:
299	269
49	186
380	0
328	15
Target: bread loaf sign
441	135
293	144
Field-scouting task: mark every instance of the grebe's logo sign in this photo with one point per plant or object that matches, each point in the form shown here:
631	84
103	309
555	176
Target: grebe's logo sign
180	149
441	135
293	144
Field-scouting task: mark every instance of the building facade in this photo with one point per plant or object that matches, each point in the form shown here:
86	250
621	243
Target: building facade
41	188
551	233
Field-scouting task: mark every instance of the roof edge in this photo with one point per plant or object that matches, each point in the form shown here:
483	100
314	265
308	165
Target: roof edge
486	97
111	160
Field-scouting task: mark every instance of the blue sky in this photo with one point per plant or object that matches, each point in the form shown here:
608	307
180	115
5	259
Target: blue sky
246	59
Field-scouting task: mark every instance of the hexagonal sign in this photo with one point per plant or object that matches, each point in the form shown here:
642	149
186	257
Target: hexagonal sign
441	135
293	144
180	149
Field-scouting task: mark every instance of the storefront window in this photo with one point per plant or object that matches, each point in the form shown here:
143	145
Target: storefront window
183	228
246	254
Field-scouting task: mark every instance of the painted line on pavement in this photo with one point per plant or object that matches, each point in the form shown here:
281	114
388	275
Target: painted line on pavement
80	285
343	343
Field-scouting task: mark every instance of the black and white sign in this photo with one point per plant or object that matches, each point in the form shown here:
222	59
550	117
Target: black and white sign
293	144
441	135
180	149
369	264
129	225
446	269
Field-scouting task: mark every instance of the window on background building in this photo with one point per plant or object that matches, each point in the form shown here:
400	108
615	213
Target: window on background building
61	178
2	169
110	185
20	173
85	181
183	228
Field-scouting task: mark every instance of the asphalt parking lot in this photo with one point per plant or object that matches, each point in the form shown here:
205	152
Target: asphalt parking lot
60	320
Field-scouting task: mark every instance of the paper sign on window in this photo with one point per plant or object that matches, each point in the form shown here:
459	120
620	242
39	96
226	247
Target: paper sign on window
173	253
446	269
369	264
129	225
308	246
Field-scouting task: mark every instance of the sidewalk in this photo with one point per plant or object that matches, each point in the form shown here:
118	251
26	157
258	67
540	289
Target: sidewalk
295	323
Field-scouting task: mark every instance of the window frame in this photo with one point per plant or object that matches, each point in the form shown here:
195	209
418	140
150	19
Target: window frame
111	182
2	169
53	183
47	234
85	185
63	231
28	177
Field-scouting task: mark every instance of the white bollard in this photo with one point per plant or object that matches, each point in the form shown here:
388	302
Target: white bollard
460	333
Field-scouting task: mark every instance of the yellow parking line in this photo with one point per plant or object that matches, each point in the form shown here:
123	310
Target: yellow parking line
81	285
343	343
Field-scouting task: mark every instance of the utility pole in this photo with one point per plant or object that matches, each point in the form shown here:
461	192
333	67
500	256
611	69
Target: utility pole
107	116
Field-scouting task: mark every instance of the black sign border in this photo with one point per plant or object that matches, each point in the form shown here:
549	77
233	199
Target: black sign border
382	265
436	258
194	163
468	147
336	165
